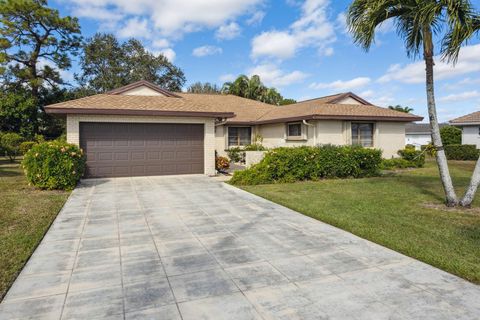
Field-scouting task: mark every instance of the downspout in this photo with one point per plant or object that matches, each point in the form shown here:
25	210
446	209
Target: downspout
314	131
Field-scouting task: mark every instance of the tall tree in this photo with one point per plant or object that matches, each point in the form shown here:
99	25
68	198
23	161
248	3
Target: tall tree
207	87
106	64
417	22
252	88
400	108
35	44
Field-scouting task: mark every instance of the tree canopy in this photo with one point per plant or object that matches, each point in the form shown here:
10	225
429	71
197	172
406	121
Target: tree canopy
36	43
106	64
205	87
400	108
253	88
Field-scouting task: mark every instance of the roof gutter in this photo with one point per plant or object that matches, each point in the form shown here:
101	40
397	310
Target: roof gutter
129	112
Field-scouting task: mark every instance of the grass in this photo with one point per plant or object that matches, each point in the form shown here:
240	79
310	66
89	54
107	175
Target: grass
402	211
25	215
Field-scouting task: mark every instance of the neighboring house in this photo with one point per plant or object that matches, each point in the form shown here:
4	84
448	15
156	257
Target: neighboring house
142	129
418	134
470	125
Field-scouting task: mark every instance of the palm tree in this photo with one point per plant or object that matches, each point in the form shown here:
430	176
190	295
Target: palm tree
400	108
252	88
418	22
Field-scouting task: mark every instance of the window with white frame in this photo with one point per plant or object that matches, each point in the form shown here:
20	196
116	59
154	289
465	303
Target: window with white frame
239	136
362	134
295	131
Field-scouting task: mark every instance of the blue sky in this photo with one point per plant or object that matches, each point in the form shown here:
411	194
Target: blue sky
300	47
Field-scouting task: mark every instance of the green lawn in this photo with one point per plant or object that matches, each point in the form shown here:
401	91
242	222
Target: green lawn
25	215
402	211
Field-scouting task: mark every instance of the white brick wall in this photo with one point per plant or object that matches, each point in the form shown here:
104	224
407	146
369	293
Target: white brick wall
73	130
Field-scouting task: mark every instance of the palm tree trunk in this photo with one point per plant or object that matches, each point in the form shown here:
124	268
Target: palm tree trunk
472	187
451	197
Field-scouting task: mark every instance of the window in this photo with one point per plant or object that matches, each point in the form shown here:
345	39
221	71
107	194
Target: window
362	134
239	136
294	131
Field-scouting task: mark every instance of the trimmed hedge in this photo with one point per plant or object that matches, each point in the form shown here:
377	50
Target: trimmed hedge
54	165
396	163
451	135
462	152
311	163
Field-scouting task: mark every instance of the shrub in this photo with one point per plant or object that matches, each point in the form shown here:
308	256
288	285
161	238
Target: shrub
415	157
451	135
311	163
254	147
222	163
11	145
236	154
461	152
54	165
396	163
26	145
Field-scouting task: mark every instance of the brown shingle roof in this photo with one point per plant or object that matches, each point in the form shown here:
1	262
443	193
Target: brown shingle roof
237	109
469	118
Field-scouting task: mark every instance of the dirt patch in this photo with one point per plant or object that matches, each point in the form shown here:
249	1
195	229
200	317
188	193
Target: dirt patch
442	207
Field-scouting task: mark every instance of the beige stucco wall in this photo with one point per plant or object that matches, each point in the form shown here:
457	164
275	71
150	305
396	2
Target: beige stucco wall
390	137
73	130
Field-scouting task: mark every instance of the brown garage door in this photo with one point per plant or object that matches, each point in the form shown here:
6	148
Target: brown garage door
141	149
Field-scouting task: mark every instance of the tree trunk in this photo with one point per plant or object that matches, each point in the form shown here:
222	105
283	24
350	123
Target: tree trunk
451	197
472	187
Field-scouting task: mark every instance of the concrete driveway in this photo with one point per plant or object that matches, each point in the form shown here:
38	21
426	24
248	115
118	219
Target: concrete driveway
190	247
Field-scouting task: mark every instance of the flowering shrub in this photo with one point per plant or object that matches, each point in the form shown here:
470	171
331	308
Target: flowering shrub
311	163
54	165
222	163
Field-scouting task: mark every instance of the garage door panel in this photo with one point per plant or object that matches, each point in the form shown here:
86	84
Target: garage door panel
134	149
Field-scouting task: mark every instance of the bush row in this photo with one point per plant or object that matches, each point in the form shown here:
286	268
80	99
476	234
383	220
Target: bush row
311	163
461	152
13	145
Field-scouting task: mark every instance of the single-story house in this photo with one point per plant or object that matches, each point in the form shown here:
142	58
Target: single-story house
418	134
142	129
470	125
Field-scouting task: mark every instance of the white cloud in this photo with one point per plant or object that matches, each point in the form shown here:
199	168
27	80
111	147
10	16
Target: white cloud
206	51
228	31
171	18
328	52
275	44
271	75
161	43
169	54
340	85
467	95
227	77
135	28
256	18
312	29
468	62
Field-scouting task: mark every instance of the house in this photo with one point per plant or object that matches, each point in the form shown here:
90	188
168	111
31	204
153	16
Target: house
470	125
419	134
142	129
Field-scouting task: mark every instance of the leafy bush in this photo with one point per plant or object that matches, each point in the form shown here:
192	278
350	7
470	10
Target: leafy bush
415	157
26	145
11	145
222	163
254	147
396	163
451	135
461	152
236	154
54	165
311	163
